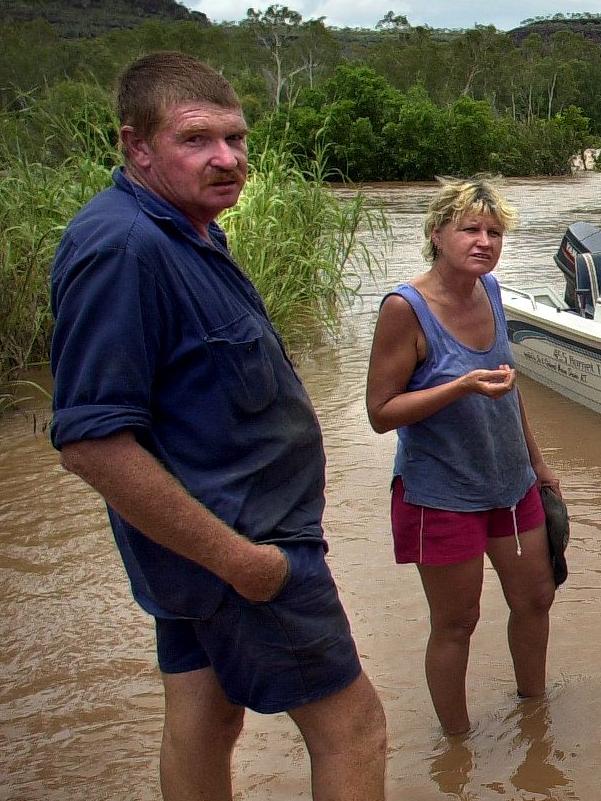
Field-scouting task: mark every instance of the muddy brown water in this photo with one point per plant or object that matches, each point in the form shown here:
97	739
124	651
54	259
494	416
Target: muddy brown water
80	696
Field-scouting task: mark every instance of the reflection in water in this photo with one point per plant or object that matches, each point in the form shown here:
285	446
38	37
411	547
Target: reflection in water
451	766
536	773
523	749
80	697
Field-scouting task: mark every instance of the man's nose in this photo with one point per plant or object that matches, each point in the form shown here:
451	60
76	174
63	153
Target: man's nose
223	156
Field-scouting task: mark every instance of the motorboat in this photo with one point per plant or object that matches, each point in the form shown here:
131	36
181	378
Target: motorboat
557	341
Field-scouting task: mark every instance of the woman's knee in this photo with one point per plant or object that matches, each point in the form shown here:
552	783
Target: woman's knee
536	601
458	627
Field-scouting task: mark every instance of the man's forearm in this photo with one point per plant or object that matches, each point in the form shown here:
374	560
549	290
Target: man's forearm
138	488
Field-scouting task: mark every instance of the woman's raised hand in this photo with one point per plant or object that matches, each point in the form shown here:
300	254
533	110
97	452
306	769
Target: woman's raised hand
492	383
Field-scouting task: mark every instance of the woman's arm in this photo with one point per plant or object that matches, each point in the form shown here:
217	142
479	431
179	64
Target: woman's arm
397	348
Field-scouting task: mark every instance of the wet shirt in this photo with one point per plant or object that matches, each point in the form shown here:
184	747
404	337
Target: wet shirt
472	454
159	332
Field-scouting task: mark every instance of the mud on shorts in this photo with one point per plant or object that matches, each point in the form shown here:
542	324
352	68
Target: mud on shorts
276	655
430	536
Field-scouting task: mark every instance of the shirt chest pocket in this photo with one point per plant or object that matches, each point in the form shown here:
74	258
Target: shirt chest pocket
241	356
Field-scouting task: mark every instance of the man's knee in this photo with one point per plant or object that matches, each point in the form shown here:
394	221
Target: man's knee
351	720
198	712
367	729
360	725
191	731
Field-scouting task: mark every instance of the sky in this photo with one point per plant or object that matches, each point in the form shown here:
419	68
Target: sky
503	15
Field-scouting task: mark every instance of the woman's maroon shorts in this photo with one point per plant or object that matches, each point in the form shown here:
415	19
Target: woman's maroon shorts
430	536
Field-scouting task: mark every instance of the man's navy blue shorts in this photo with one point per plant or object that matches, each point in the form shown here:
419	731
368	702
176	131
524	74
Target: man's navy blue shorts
271	656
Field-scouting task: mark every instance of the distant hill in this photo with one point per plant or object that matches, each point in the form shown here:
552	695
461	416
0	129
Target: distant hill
84	18
589	28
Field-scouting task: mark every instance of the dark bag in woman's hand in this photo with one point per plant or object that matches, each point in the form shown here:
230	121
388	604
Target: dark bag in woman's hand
558	532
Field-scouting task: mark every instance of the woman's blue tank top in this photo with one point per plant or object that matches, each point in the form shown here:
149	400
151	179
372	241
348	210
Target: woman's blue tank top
471	455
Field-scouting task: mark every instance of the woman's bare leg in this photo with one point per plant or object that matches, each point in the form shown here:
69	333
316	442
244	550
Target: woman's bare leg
453	594
529	589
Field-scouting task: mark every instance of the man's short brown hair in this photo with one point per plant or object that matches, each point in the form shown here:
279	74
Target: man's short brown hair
156	81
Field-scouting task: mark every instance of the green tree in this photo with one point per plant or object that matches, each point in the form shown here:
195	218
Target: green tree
32	54
415	141
275	29
316	51
392	22
412	56
470	132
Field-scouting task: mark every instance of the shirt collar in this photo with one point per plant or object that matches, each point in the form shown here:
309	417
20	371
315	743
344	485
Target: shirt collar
160	209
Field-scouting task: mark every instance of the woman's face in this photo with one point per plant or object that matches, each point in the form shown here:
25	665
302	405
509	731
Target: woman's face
472	244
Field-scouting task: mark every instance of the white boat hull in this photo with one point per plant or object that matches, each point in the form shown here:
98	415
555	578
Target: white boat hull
553	345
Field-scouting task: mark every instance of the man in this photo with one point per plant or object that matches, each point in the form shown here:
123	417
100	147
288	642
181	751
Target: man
175	400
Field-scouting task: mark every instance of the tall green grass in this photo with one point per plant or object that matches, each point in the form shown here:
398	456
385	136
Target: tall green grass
297	238
54	156
300	242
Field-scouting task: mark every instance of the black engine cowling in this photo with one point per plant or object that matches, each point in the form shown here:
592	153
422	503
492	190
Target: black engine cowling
581	237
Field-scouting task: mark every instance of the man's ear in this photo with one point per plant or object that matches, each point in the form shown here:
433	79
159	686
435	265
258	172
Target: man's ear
136	149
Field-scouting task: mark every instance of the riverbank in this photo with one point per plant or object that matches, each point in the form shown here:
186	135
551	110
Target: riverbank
587	160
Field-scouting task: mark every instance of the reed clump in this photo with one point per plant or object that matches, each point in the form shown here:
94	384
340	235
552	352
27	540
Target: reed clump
56	152
300	242
298	239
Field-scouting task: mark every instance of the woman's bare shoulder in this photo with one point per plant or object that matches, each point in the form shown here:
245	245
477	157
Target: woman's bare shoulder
396	308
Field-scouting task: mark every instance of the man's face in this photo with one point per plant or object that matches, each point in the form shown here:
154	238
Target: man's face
197	160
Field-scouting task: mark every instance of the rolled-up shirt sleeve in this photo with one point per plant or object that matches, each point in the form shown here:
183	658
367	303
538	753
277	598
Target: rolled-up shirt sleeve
106	342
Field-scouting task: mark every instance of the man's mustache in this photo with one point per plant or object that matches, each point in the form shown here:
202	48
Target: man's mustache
226	176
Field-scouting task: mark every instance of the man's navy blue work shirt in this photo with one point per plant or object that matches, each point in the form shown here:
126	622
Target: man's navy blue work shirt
159	332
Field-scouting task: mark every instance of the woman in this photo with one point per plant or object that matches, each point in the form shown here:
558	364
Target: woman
467	468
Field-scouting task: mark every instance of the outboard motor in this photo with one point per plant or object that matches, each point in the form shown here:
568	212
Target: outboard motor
581	237
588	283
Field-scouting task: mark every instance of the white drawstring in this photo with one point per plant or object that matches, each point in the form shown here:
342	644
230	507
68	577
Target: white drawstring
515	532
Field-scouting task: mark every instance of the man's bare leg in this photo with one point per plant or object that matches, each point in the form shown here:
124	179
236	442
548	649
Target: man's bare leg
345	735
201	729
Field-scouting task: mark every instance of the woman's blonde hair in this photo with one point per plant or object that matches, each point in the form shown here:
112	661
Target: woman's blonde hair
460	196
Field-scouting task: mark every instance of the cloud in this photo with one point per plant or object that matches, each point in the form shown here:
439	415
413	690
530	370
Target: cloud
360	14
436	13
